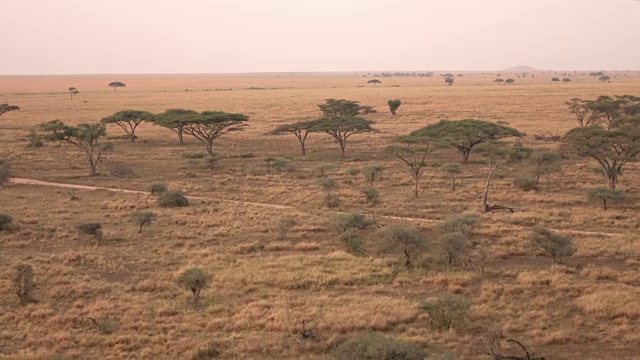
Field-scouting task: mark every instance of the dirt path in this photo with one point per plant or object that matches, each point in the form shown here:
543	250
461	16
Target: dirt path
23	181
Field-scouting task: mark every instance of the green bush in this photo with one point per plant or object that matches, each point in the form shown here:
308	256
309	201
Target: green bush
447	312
5	221
374	346
90	228
157	188
455	246
194	280
344	221
553	244
371	195
172	199
353	242
142	218
603	194
526	183
463	224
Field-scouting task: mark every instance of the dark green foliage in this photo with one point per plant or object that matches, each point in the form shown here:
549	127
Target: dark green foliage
465	134
394	105
116	84
448	312
342	107
374	82
157	188
128	120
353	242
553	244
23	284
341	128
194	280
555	79
173	199
566	80
464	224
455	247
374	346
90	228
210	125
143	218
407	239
499	81
35	141
329	185
5	108
175	120
299	129
544	162
605	194
5	222
509	81
449	81
526	183
5	172
604	78
342	222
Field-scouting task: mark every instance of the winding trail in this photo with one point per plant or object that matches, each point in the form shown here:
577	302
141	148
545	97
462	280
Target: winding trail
24	181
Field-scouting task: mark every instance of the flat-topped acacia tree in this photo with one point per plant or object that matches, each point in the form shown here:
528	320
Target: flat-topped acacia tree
128	120
341	128
465	134
299	129
342	107
210	125
176	120
5	108
86	137
413	151
116	84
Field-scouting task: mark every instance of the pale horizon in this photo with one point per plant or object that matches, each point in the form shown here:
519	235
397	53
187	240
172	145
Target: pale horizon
73	37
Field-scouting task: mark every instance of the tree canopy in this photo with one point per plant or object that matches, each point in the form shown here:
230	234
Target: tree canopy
413	151
5	108
341	128
465	134
116	84
555	79
509	81
175	119
210	125
129	120
342	107
499	81
449	81
374	82
300	129
394	105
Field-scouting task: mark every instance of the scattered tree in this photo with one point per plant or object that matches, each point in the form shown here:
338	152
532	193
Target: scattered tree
555	80
408	239
84	136
582	110
354	172
449	81
455	246
342	222
116	84
464	224
544	162
143	218
128	120
393	106
73	91
497	154
91	228
23	283
339	108
157	188
372	172
176	120
413	150
452	170
447	312
499	81
172	199
341	128
509	81
5	108
603	194
329	185
566	80
552	243
371	195
465	134
299	129
194	280
210	125
374	82
604	78
284	227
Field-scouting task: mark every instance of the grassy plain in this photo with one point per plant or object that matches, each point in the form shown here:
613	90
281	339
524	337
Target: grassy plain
263	287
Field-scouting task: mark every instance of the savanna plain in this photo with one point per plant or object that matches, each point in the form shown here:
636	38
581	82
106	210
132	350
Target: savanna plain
284	281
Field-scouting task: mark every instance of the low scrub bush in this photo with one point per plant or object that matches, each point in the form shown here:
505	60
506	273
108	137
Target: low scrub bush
23	284
173	199
448	312
5	222
194	280
157	188
526	183
345	221
353	242
373	346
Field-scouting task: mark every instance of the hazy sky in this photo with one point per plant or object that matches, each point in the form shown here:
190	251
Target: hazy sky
210	36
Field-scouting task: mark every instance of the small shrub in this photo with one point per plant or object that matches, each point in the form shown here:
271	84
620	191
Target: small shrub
374	346
91	228
603	194
283	165
209	352
354	172
5	172
143	218
247	156
406	239
121	170
194	280
353	242
372	172
448	312
463	224
157	188
332	201
371	195
345	221
552	243
23	283
35	141
455	246
172	199
5	222
526	183
284	227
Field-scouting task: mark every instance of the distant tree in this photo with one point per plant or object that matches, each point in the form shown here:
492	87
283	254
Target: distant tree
509	81
210	125
176	120
116	84
393	106
582	110
612	149
372	172
128	120
374	82
555	80
354	172
499	81
413	151
465	134
552	243
5	108
566	80
603	194
455	246
299	129
342	222
194	280
23	283
143	218
408	239
328	186
544	162
449	81
339	108
452	170
86	137
73	91
607	110
341	128
604	78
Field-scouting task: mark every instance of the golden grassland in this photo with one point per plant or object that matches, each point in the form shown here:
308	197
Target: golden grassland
263	287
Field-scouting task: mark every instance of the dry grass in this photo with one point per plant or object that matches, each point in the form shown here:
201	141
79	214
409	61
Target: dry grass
263	287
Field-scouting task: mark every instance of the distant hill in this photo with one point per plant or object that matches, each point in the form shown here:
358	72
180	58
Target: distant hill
520	68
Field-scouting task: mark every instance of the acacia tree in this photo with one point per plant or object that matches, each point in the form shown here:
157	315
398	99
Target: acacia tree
604	78
374	82
465	134
393	106
5	108
210	125
408	239
499	81
496	154
566	80
612	149
73	91
116	84
299	129
342	107
128	120
85	137
606	109
555	80
582	110
449	81
509	81
544	162
341	128
176	120
413	150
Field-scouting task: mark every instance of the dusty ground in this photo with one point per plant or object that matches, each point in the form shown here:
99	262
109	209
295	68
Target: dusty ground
263	287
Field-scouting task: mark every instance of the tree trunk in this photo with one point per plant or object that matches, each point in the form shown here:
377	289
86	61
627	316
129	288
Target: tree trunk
407	255
604	203
485	199
453	184
209	145
613	180
465	155
416	178
343	145
94	166
179	131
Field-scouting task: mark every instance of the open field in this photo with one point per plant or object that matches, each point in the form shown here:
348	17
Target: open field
263	287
